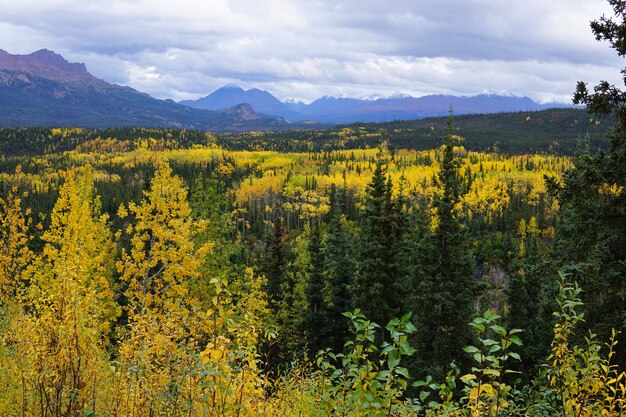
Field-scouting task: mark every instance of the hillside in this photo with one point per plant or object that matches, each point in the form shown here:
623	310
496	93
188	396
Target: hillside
555	131
559	131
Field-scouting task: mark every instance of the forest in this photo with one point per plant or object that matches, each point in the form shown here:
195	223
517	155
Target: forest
160	272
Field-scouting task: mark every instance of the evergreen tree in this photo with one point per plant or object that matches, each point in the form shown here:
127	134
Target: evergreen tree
446	295
294	299
379	278
285	276
531	296
590	240
339	269
275	263
317	305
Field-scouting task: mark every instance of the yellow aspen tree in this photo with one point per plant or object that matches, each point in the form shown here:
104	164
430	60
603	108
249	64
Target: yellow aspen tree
165	322
15	254
61	336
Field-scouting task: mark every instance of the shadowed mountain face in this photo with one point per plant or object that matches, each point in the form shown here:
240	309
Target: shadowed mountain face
43	89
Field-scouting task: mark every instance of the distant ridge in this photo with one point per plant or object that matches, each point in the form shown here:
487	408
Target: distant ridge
43	89
399	106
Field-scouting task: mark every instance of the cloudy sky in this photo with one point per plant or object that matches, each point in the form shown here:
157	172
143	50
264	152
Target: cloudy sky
304	49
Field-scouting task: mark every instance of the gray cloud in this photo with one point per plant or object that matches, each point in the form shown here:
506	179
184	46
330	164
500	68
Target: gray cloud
304	49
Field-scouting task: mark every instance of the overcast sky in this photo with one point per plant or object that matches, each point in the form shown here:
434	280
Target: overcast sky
304	49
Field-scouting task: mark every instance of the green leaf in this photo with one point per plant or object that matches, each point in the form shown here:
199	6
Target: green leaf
386	349
498	329
419	383
393	359
479	326
410	328
470	349
406	349
383	375
393	323
403	372
495	348
488	342
403	384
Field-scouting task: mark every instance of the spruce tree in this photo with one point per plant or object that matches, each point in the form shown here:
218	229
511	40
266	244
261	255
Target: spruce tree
590	242
275	263
530	295
339	268
317	306
446	295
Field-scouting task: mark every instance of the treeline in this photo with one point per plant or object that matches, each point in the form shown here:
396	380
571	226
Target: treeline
556	131
16	141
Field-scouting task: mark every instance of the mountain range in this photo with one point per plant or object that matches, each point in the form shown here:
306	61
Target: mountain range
44	89
350	110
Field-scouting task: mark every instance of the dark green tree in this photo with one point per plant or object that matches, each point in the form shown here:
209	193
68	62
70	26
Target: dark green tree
531	297
339	269
378	281
275	351
274	263
590	239
316	316
446	295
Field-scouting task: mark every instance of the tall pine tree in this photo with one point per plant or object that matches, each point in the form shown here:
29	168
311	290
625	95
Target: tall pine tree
446	295
316	316
339	268
379	292
590	241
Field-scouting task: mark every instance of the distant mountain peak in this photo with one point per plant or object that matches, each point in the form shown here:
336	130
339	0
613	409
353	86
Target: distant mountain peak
502	93
371	97
231	86
46	64
47	53
399	95
231	95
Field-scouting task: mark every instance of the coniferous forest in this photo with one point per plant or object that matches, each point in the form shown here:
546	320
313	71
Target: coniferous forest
350	272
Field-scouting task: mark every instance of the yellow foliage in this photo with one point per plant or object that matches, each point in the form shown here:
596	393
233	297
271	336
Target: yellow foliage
15	254
58	332
485	198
